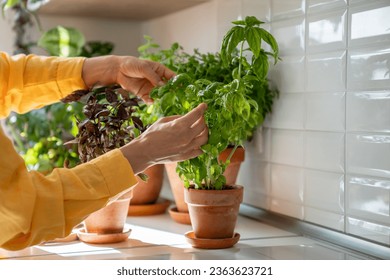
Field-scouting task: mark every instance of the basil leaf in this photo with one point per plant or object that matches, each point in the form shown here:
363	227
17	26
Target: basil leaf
252	21
254	41
230	42
261	66
144	177
270	40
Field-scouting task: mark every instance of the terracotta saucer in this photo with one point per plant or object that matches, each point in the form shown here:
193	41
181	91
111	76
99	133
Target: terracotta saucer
204	243
180	217
97	238
159	207
70	238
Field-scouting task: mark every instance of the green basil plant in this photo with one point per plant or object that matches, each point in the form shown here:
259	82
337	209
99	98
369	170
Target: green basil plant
234	85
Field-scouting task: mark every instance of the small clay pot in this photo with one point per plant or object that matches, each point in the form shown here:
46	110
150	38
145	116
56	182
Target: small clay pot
149	191
231	172
214	212
177	187
111	218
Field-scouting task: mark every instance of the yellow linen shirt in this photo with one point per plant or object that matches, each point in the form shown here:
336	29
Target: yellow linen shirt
34	207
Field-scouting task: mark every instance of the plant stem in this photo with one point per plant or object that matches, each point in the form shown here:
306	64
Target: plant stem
208	178
232	152
240	60
16	138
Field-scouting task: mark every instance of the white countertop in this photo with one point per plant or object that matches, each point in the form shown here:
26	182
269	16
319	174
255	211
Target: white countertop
159	237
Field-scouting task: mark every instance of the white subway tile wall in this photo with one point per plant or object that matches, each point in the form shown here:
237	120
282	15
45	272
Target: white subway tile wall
326	30
325	72
323	156
325	111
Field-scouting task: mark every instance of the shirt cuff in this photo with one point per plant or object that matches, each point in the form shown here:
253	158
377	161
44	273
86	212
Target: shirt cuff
116	171
69	76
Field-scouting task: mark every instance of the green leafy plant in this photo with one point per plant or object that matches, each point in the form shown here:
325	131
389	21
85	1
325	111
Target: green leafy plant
40	136
197	65
62	41
237	104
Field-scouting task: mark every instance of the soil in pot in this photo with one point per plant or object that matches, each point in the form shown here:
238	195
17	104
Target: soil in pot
214	212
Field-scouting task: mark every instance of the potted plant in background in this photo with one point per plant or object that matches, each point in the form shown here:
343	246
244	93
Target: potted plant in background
108	124
235	108
146	199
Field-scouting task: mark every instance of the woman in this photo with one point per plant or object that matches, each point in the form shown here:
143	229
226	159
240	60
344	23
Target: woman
36	208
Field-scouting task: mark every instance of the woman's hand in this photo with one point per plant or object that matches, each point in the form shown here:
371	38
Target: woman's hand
133	74
141	76
170	139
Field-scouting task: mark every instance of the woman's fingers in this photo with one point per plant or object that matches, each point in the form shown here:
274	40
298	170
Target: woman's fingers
193	127
168	119
195	114
170	139
141	76
156	73
201	139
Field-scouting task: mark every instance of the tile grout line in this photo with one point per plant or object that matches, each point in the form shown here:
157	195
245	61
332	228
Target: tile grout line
345	191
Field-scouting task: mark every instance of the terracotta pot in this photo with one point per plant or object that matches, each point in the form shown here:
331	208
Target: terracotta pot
231	172
214	212
110	219
233	168
148	192
177	187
